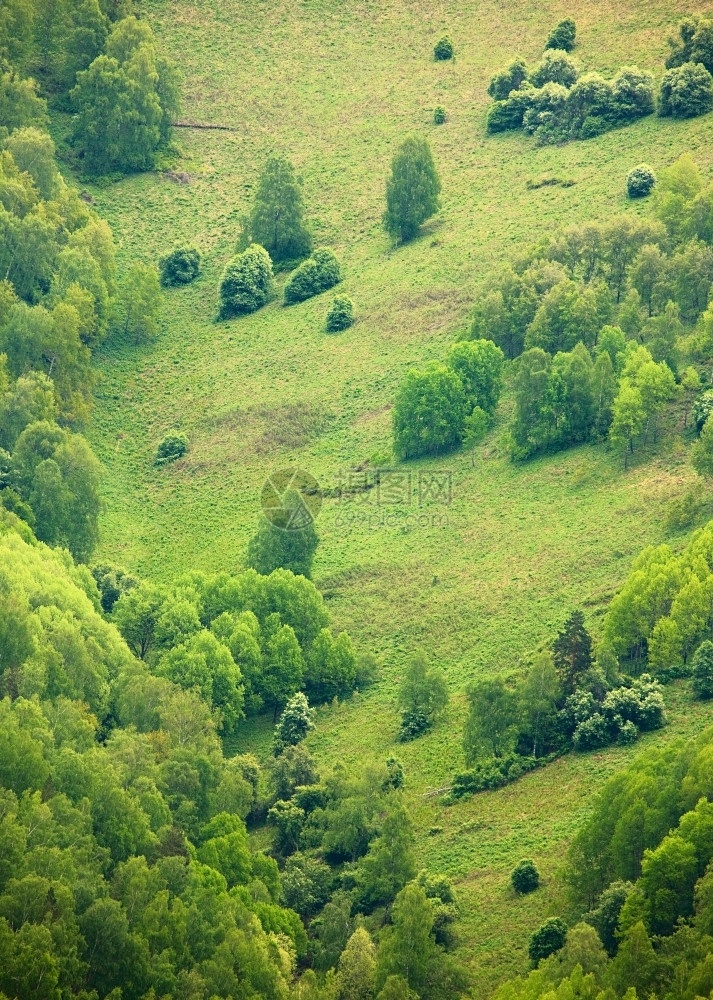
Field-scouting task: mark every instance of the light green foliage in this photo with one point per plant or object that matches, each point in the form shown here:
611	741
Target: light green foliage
556	67
273	547
331	666
124	100
423	695
296	721
140	303
246	283
412	190
58	475
492	719
479	363
429	412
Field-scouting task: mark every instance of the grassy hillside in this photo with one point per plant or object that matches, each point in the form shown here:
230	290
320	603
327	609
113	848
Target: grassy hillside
480	581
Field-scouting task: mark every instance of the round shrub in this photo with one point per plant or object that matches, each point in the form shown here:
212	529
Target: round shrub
628	733
525	876
314	275
686	91
444	48
439	115
174	445
340	314
591	734
246	284
547	939
640	181
556	67
180	267
562	36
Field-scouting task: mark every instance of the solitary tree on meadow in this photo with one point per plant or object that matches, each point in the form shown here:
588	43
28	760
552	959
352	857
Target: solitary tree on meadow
412	189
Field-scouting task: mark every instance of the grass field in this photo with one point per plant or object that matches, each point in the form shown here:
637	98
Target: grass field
480	581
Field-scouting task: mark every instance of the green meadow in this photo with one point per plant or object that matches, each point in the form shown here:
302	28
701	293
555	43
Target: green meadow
474	559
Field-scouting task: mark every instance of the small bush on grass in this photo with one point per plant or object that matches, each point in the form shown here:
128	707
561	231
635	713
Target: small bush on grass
340	314
640	181
173	446
439	115
443	49
525	876
180	267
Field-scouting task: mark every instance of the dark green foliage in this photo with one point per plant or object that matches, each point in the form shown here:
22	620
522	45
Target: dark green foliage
640	181
562	36
340	314
247	282
508	114
171	447
413	724
702	670
429	412
572	652
412	190
317	274
273	547
180	267
439	115
277	218
443	48
686	91
112	582
508	80
605	918
547	939
525	877
493	773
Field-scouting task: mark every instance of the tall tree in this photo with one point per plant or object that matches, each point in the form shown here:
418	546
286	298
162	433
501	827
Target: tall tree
572	652
277	217
492	718
412	189
140	303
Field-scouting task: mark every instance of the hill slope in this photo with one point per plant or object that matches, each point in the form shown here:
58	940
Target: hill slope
478	582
